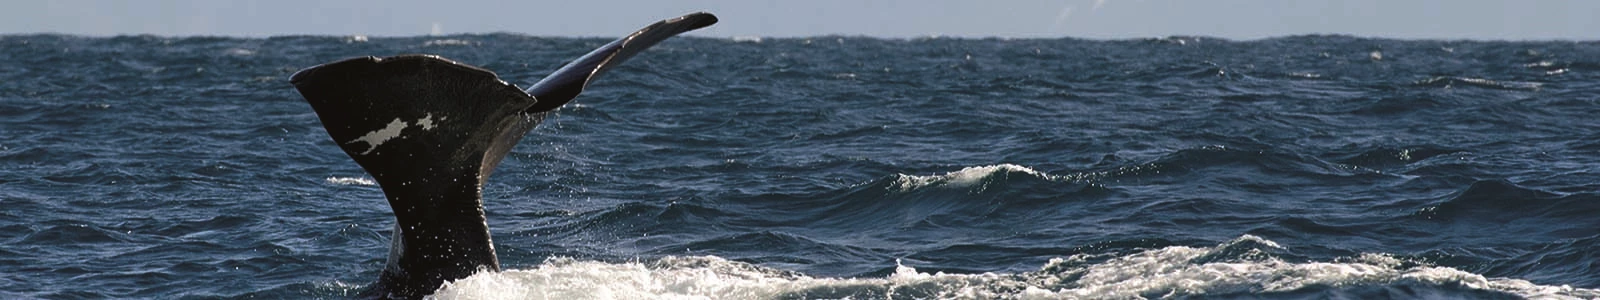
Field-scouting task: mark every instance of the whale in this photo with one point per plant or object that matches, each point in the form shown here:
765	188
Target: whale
430	131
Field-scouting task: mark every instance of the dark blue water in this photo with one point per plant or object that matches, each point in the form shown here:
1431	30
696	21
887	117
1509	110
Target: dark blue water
1313	166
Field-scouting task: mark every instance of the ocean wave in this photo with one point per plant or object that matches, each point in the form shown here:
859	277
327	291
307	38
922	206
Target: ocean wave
1561	261
1385	158
1175	271
1454	81
1507	204
963	196
966	178
1213	160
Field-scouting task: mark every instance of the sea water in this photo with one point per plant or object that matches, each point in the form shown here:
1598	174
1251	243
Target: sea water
835	168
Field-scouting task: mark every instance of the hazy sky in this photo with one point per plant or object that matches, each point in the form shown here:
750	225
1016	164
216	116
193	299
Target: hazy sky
1240	19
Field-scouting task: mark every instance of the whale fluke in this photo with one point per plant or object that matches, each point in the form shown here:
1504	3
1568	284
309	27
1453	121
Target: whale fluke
430	131
565	84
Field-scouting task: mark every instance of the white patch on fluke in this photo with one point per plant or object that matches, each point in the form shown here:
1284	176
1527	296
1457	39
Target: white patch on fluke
426	122
392	131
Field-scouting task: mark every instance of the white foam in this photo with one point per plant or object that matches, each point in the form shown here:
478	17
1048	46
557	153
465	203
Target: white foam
350	181
965	178
671	278
1169	271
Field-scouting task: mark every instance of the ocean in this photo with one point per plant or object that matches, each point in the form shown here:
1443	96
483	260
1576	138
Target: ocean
835	168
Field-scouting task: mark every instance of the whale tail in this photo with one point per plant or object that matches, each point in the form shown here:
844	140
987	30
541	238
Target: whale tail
430	131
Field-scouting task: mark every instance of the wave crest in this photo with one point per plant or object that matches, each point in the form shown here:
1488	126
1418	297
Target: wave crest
969	177
350	181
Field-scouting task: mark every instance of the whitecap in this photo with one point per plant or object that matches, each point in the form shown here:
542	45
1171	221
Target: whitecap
1173	271
965	178
350	181
239	52
448	42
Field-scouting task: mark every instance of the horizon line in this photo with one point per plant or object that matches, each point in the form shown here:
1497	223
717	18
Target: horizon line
755	38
